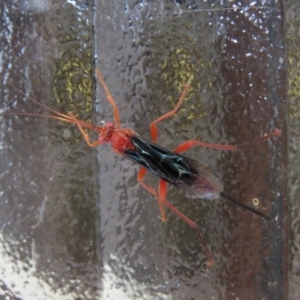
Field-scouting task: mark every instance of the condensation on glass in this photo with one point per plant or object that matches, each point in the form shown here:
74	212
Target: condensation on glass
74	222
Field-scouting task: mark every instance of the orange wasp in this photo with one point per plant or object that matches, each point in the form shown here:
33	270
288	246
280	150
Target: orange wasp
191	177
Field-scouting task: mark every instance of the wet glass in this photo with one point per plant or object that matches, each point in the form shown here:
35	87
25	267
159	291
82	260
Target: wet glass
75	224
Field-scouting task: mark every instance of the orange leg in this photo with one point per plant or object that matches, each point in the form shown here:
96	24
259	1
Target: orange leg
154	134
110	99
85	135
153	128
162	199
140	177
192	143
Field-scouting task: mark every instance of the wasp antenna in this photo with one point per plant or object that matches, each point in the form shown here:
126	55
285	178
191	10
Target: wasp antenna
245	206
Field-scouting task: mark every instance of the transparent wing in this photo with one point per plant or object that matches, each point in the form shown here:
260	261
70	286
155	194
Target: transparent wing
204	184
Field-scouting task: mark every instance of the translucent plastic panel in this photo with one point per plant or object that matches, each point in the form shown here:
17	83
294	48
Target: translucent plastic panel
235	61
75	224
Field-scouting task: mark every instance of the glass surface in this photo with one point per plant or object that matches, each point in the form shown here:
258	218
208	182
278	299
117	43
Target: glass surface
293	56
75	224
47	207
235	61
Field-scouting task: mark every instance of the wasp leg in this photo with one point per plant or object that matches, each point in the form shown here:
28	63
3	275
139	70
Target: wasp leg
85	135
162	199
153	128
192	143
140	177
109	98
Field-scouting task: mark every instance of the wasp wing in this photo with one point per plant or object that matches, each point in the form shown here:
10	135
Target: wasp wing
194	179
205	184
